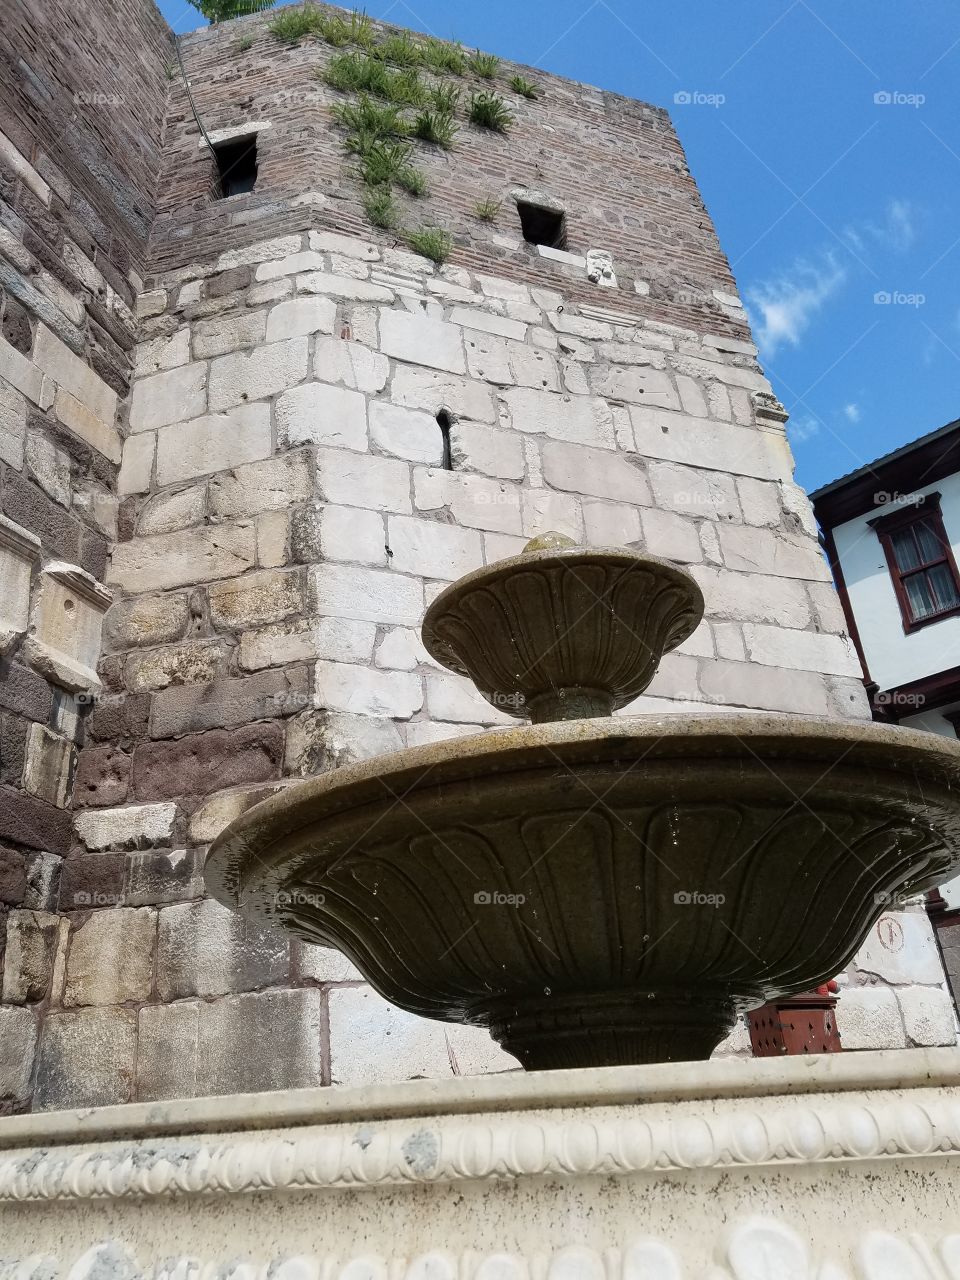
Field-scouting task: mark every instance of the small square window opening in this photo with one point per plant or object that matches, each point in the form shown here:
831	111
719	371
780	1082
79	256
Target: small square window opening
543	225
237	165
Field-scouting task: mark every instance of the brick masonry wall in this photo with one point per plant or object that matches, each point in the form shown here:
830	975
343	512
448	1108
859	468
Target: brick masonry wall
284	519
82	92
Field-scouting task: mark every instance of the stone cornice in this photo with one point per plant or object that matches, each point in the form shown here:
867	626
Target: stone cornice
610	1139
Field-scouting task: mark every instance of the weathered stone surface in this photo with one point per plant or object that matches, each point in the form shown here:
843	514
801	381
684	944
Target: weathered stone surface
154	878
755	550
206	950
255	599
170	511
319	414
543	511
421	339
238	1039
302	639
91	881
372	1042
111	957
671	536
425	389
928	1016
745	684
194	661
28	821
352	533
361	480
320	740
900	948
351	364
492	453
752	597
347	288
221	335
405	433
323	965
174	396
636	384
134	827
146	621
86	1059
74	375
431	549
595	472
869	1018
47	765
452	697
704	443
136	470
611	524
18	1043
219	811
206	762
473	500
257	374
271	485
300	316
25	693
103	777
364	691
710	495
368	595
575	419
216	442
167	1051
175	559
193	708
30	955
807	650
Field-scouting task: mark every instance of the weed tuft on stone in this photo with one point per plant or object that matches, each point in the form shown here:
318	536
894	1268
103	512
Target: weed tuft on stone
487	210
432	243
381	208
489	111
401	50
444	58
484	65
436	127
291	25
526	88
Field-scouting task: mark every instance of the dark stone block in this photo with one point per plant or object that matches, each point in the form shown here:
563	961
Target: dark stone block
43	882
228	282
119	717
16	328
28	505
24	820
25	693
103	777
94	880
206	762
13	877
13	743
93	553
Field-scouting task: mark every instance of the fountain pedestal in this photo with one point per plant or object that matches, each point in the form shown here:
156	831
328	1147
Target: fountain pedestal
836	1167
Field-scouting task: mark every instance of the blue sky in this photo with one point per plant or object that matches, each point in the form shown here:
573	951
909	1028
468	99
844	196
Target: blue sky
824	140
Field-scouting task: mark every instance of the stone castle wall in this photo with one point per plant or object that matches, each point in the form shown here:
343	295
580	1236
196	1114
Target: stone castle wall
285	516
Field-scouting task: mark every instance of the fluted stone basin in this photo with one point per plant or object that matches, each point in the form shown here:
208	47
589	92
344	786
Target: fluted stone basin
598	890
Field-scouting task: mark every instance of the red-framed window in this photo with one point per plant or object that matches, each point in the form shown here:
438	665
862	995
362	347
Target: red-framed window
921	562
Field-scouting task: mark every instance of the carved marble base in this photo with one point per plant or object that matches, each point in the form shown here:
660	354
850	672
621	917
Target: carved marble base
838	1167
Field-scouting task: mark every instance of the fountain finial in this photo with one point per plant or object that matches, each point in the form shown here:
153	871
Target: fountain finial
550	541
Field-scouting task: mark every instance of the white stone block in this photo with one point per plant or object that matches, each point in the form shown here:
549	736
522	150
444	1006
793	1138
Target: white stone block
165	352
421	339
363	480
547	512
264	251
305	260
473	500
639	385
406	433
364	691
271	485
315	413
66	621
486	322
344	287
301	316
13	426
611	524
484	449
502	546
595	472
746	597
487	358
708	494
20	372
257	374
402	650
452	697
19	556
367	595
353	534
350	363
534	368
421	733
303	640
330	242
425	389
928	1015
754	550
701	442
136	469
73	374
576	419
20	166
775	646
50	467
178	559
760	502
432	549
671	536
869	1018
901	948
745	684
215	442
223	334
102	436
139	826
174	396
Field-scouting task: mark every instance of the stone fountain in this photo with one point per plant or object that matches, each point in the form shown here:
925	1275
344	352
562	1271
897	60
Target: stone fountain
597	889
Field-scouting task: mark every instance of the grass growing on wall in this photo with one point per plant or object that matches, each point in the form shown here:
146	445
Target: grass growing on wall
431	242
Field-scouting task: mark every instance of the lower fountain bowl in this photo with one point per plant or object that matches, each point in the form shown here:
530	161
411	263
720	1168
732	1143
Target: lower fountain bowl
604	891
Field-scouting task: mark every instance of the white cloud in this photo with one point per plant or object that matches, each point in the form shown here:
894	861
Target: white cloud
802	429
784	308
900	231
851	412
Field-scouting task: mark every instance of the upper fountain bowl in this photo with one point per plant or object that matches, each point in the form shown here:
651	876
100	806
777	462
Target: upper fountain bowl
563	632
